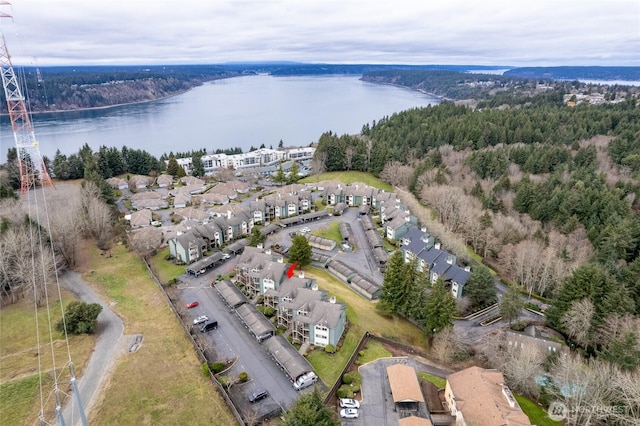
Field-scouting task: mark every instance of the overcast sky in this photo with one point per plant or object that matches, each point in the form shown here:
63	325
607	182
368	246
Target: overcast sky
483	32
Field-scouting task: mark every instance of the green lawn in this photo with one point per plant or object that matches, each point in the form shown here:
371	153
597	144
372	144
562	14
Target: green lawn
438	381
328	366
164	269
362	316
373	350
537	415
350	177
331	232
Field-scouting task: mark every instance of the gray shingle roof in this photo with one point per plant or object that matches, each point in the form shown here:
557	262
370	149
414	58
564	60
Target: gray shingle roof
230	293
287	356
257	323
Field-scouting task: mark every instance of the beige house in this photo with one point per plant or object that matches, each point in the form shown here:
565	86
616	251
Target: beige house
476	396
164	180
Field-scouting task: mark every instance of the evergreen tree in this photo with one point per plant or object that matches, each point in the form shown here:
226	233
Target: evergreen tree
409	288
300	251
511	305
624	352
279	178
293	174
593	282
256	237
173	166
391	294
309	410
80	317
197	165
419	298
481	287
440	309
91	175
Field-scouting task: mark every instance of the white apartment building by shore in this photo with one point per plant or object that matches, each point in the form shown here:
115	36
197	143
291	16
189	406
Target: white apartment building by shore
254	159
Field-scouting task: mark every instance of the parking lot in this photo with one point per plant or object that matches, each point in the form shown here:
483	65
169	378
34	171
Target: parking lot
231	340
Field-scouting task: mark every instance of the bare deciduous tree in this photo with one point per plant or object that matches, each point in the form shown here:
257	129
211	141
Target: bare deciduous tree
65	232
584	387
445	345
396	174
577	320
521	369
319	163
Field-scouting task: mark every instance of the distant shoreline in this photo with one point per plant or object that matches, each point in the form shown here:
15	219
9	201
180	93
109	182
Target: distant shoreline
433	95
4	114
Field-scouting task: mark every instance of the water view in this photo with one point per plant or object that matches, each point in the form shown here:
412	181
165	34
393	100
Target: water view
237	112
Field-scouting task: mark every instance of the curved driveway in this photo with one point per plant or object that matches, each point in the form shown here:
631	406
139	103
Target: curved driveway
109	345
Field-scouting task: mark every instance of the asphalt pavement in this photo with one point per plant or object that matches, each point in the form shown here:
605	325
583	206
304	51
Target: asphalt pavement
110	344
232	340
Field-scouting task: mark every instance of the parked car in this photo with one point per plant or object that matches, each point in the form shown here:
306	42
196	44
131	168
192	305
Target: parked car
200	319
349	403
258	395
349	413
305	230
208	326
192	304
226	256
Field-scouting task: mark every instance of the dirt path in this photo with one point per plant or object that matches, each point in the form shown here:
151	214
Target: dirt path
110	344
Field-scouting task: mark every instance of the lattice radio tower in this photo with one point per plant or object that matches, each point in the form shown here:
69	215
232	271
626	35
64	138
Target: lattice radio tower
33	171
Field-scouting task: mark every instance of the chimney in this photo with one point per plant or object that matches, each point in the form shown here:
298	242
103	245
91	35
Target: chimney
267	251
332	299
437	246
259	245
467	268
280	259
314	287
450	260
301	274
423	229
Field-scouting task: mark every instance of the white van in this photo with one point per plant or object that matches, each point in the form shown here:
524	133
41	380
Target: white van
305	380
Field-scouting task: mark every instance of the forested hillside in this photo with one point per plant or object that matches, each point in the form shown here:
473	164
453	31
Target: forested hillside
70	88
545	193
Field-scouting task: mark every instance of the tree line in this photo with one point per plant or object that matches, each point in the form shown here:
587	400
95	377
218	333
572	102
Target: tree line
545	193
69	88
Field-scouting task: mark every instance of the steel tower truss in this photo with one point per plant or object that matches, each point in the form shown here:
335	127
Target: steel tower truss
30	162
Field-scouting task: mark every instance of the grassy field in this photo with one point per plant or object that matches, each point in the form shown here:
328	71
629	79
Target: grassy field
161	383
362	317
331	232
19	379
350	177
536	413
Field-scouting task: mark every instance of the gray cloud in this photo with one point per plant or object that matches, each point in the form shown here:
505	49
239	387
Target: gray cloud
499	32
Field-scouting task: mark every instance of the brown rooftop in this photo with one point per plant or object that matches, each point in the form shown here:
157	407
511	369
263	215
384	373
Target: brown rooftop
414	421
484	399
404	383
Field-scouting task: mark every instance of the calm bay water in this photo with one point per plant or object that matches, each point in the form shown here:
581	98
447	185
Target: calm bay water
237	112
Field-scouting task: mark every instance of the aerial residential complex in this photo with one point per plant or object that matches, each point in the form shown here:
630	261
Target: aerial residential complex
263	157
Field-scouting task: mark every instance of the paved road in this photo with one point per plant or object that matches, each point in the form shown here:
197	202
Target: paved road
232	340
109	345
